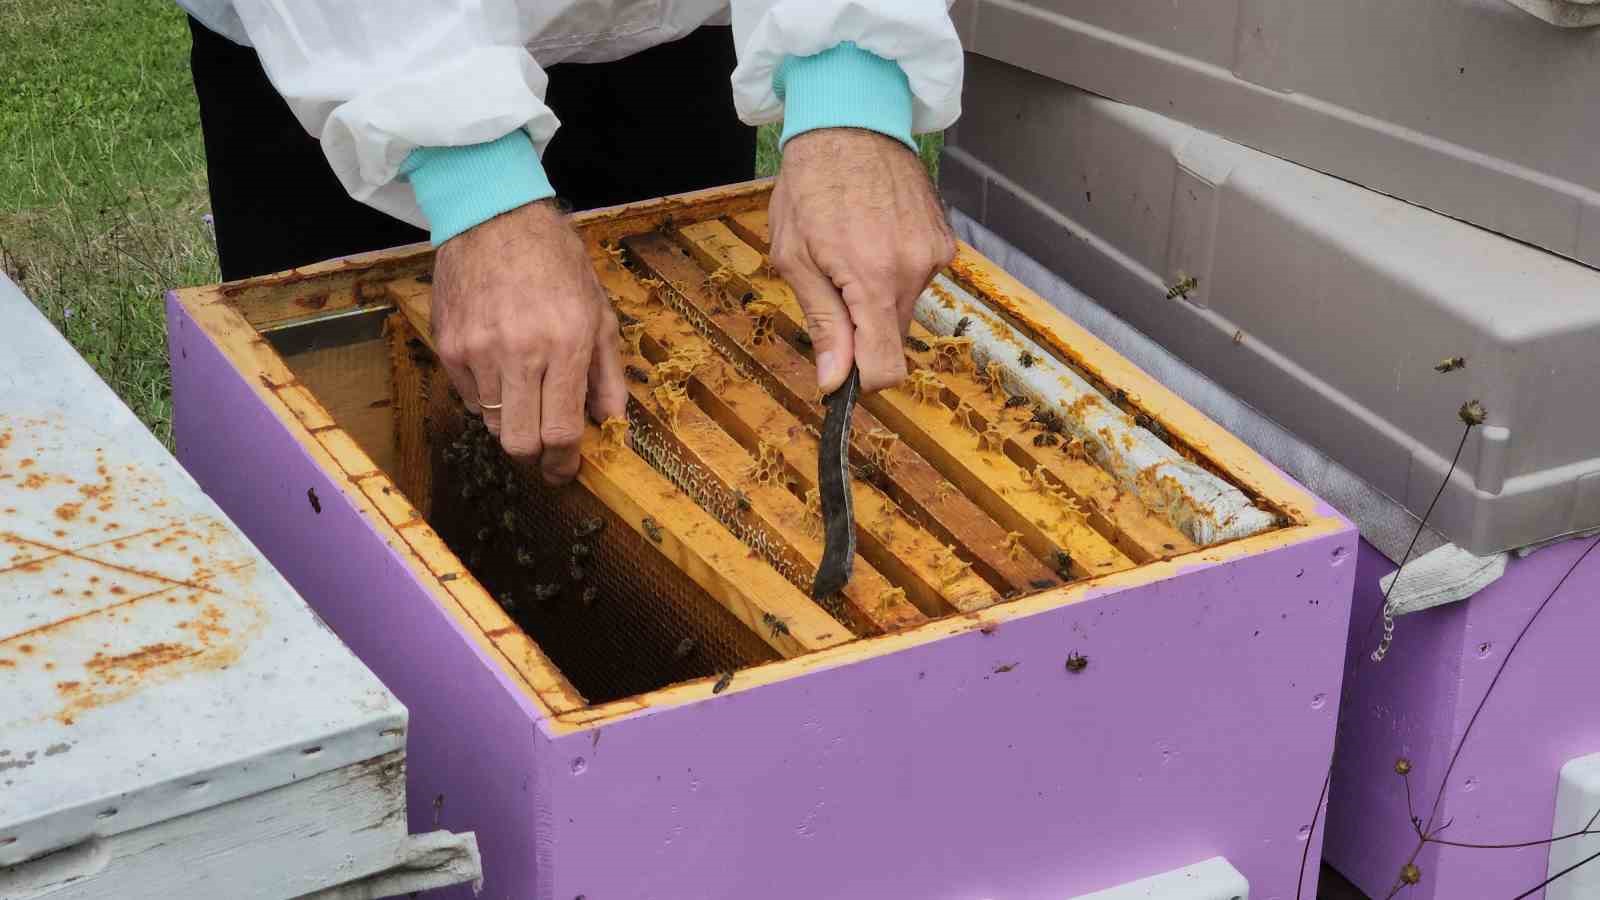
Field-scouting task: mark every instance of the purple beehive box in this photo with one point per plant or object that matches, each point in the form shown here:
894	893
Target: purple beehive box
1436	702
963	758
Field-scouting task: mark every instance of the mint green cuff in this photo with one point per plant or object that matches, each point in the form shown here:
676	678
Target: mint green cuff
459	187
844	87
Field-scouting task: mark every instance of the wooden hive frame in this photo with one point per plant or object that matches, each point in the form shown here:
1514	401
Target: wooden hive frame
980	545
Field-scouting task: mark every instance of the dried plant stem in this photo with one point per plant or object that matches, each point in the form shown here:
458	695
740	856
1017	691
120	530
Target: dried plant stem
1386	611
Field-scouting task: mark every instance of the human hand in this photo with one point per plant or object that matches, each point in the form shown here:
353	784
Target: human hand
858	233
526	334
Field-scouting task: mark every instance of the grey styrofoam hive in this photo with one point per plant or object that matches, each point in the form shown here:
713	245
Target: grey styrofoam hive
1471	107
1322	304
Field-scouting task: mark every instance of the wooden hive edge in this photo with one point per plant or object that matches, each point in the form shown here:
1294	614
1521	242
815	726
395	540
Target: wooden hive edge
358	280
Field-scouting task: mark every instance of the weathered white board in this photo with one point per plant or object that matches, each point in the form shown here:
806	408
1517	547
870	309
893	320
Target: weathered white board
172	715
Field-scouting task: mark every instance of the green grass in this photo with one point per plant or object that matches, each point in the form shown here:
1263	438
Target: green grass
102	180
97	99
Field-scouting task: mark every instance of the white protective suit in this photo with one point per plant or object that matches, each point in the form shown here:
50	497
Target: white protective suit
375	79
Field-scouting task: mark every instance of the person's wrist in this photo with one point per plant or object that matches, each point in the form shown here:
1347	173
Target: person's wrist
461	187
844	87
825	144
530	221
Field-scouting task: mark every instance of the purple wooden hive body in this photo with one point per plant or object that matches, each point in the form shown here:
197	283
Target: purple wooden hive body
1201	726
1417	703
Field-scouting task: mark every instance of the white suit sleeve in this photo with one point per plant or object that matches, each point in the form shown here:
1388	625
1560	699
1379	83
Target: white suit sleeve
374	83
916	34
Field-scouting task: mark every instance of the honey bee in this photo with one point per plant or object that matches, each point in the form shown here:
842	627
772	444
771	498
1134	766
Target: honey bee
1016	400
1451	364
1040	584
962	325
525	558
741	501
508	600
722	683
418	351
576	571
624	320
1185	284
1045	439
636	374
508	519
1047	419
589	527
652	528
779	627
1026	359
684	648
546	592
872	473
1151	425
917	344
803	338
1063	564
589	593
580	551
1076	662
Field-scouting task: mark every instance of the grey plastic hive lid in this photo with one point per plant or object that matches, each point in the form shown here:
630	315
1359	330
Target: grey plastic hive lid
1471	107
1322	304
152	663
1564	13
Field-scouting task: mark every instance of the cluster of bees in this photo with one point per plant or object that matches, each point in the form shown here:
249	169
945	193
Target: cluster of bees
534	575
492	490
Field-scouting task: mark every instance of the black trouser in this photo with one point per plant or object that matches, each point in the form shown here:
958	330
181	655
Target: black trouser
658	122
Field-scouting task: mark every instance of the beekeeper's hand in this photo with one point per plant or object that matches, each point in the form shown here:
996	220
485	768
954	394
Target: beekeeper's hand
858	232
526	334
